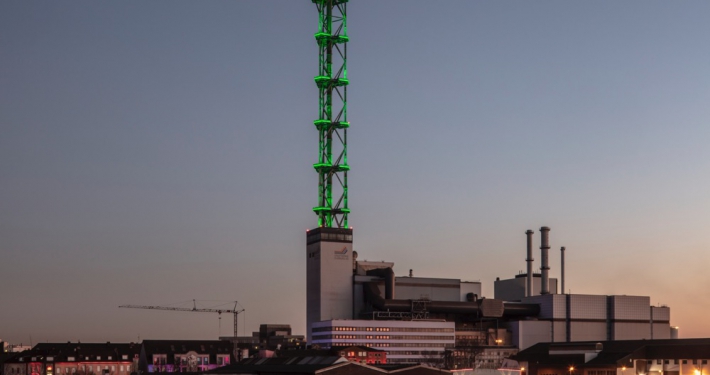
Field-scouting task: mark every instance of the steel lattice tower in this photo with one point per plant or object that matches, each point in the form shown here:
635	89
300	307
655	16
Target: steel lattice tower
332	122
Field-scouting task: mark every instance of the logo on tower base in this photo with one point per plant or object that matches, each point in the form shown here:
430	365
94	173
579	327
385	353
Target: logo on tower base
342	254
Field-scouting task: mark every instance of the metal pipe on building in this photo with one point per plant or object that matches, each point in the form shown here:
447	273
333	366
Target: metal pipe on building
562	271
389	284
487	308
544	258
529	278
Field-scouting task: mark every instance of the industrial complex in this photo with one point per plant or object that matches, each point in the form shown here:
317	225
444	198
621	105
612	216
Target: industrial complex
415	319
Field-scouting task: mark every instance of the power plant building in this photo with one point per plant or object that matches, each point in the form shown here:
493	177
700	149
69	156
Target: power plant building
359	302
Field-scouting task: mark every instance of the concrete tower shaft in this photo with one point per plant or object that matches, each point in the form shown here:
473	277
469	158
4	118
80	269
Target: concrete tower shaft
329	275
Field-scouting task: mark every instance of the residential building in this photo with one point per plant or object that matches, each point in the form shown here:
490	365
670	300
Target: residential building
75	358
184	355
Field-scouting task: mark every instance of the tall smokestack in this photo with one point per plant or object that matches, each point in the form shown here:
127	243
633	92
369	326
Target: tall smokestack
562	271
544	252
529	278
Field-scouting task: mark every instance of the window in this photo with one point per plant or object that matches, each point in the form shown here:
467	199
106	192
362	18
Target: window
685	361
98	357
124	357
121	368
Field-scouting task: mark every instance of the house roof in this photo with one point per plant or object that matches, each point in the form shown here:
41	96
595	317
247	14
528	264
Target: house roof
82	352
184	346
318	365
299	365
357	348
614	353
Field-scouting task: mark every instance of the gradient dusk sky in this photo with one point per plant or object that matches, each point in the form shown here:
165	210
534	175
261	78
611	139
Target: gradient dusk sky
153	152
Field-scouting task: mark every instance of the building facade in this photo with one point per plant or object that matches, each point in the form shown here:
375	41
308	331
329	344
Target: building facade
577	318
184	355
403	341
75	358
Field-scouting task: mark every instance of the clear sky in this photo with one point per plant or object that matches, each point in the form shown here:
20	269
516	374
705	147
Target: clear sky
156	152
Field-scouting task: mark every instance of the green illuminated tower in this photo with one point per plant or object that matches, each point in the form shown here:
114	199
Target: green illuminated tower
332	122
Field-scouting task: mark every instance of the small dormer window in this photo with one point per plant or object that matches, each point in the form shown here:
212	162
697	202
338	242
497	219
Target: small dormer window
124	357
98	357
86	358
110	358
71	359
50	359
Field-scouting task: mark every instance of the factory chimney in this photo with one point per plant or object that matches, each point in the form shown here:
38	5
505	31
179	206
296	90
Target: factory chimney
562	271
529	278
544	258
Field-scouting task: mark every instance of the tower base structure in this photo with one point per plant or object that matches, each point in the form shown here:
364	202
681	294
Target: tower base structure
329	275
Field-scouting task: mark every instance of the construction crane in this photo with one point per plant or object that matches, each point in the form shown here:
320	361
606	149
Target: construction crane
194	308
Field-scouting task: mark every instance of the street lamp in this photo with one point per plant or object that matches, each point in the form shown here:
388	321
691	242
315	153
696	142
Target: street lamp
571	370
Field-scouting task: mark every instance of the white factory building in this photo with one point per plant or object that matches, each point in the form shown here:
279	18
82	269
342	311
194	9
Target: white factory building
578	317
405	341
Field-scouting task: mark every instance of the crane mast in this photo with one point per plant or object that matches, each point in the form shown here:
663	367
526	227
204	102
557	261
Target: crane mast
194	308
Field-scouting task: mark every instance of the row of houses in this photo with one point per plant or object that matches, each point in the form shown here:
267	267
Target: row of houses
150	356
